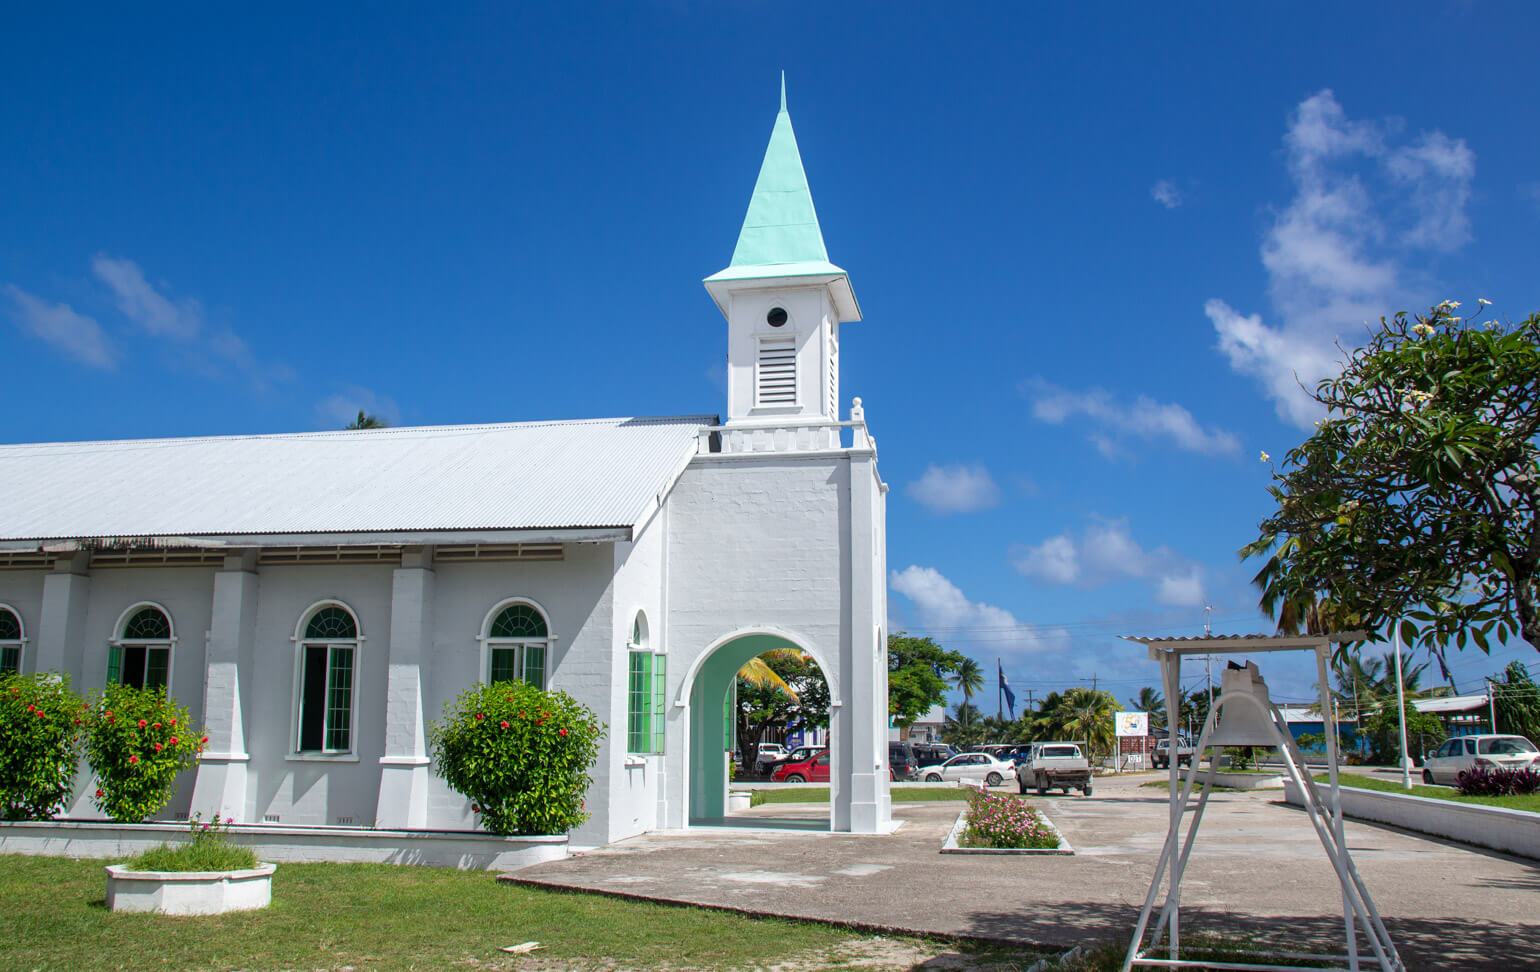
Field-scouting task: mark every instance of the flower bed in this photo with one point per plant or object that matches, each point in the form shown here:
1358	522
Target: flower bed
996	823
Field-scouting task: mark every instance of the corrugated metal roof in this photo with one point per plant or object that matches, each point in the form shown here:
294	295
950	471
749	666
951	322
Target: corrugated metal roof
525	475
1451	703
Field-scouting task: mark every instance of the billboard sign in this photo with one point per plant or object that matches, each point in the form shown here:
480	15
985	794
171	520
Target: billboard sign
1133	723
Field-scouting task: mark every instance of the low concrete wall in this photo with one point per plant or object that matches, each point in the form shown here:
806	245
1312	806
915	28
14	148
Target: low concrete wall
1236	780
1497	828
467	851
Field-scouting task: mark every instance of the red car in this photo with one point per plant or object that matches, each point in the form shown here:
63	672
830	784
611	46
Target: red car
812	770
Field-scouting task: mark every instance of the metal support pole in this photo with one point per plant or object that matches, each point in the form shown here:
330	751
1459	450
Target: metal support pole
1336	797
1406	758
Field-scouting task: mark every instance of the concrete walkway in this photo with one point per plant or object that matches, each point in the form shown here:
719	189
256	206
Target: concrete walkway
1257	871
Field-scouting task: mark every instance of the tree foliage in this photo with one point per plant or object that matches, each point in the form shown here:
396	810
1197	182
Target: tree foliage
790	691
366	421
40	721
520	754
1517	699
919	671
138	742
1424	732
1416	498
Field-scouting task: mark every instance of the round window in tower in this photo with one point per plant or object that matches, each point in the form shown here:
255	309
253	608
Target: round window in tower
776	317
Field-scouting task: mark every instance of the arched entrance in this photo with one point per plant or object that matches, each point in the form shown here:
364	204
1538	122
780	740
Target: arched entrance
710	728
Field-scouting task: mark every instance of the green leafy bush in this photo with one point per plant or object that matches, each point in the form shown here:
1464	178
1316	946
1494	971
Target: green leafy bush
208	848
137	742
1424	731
40	723
520	754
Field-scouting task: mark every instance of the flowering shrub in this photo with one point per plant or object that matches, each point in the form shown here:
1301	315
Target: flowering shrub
208	848
40	722
137	741
999	820
520	754
1481	781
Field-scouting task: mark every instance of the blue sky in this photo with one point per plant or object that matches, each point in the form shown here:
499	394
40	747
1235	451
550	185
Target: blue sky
1093	246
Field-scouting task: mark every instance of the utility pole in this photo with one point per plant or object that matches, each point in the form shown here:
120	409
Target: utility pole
1492	703
1208	673
1406	763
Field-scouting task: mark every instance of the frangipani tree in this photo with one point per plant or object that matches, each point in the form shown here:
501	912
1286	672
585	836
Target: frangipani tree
1416	498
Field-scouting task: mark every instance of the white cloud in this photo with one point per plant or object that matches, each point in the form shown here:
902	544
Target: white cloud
338	410
144	305
1143	418
1166	193
945	611
1106	552
75	334
955	489
1531	192
1336	255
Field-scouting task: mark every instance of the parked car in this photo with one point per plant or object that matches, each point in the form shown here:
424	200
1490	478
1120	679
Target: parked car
932	754
1051	765
1162	755
999	750
971	766
769	754
1484	750
901	762
814	769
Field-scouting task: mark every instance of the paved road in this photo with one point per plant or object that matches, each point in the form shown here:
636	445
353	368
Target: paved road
1258	870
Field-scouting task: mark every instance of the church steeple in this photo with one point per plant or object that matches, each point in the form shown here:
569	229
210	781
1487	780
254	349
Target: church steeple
783	299
781	226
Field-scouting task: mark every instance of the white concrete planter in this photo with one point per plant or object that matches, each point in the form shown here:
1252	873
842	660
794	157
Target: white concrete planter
1239	780
738	801
951	845
189	892
1499	828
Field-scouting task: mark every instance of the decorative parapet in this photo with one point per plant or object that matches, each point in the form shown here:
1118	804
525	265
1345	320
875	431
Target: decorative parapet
803	436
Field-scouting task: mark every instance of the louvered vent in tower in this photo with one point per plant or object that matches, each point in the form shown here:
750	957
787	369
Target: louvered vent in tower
775	379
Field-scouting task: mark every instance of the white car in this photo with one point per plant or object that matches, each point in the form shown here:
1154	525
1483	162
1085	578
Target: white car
1447	762
971	766
768	753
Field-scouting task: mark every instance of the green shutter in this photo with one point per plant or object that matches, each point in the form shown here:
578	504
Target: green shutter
339	698
639	703
729	717
114	664
534	665
10	660
659	692
156	663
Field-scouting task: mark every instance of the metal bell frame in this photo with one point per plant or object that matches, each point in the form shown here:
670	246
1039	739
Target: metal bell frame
1358	911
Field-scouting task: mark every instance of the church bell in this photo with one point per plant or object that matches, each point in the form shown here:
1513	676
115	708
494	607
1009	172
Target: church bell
1243	722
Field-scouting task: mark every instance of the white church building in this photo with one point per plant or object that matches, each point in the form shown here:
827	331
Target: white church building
314	599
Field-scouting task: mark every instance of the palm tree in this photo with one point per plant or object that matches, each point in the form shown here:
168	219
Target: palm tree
969	677
964	727
366	421
1150	701
757	672
1090	717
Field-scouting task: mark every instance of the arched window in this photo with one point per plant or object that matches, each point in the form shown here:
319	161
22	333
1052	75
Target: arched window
328	653
11	640
644	691
518	639
140	654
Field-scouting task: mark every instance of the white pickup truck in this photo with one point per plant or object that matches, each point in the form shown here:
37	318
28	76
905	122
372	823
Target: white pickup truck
1056	764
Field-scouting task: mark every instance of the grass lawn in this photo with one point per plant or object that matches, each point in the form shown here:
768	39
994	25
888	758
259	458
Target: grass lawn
900	794
372	916
1530	802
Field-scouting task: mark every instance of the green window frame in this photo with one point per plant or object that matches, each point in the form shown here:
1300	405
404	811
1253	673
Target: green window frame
140	655
518	640
11	642
646	684
328	660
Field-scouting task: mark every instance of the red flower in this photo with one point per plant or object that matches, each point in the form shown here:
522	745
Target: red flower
133	759
479	717
503	724
563	732
77	722
108	713
475	809
157	725
142	723
157	747
539	722
173	740
31	708
41	714
98	794
173	723
203	741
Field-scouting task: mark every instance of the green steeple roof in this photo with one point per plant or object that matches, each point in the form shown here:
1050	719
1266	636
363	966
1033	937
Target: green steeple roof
781	226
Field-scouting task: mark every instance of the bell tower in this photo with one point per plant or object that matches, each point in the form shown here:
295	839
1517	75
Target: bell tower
783	300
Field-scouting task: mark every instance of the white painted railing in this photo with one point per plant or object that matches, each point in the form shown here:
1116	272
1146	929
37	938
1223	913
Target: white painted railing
821	436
